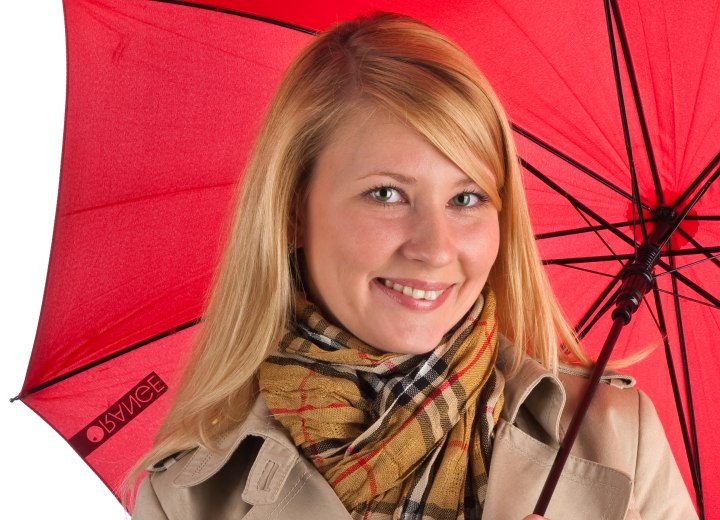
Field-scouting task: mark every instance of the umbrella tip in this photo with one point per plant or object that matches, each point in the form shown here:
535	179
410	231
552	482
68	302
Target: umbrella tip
13	399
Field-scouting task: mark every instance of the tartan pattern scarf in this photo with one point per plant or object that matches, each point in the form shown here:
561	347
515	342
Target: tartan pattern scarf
396	435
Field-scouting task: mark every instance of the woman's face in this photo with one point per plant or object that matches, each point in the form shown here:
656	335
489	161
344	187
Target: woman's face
398	242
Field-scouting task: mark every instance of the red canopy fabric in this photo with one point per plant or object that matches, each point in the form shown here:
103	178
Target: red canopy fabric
164	100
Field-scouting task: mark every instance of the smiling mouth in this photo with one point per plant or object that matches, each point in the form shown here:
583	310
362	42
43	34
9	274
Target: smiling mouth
414	293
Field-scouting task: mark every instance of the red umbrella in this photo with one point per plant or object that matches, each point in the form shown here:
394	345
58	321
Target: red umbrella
615	109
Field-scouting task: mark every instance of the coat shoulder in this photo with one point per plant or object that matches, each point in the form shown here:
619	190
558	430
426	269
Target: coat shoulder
253	471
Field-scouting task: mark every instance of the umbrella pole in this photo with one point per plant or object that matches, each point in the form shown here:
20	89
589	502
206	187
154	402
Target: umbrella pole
637	281
574	428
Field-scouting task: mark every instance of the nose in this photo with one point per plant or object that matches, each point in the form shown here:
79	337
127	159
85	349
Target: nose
429	238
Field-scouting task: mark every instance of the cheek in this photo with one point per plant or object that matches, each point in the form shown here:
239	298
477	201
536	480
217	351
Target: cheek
343	247
479	249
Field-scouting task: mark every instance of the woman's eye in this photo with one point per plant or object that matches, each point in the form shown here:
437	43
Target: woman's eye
465	199
385	195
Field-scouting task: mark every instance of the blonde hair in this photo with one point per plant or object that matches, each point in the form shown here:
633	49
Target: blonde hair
424	79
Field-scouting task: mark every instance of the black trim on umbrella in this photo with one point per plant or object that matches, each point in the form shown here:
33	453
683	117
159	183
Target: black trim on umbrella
105	359
622	36
695	461
285	25
572	162
624	122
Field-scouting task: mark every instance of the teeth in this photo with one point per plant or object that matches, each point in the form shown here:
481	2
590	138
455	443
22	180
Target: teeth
416	294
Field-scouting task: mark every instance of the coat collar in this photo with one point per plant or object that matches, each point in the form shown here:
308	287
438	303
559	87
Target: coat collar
533	387
277	450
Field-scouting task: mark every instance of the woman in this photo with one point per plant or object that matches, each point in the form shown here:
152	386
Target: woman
381	341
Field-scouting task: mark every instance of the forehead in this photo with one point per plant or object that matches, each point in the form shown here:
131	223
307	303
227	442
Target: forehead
373	139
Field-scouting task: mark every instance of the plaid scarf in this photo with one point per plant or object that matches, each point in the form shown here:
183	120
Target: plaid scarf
396	435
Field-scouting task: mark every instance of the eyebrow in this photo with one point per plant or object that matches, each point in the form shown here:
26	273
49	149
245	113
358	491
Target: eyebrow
393	175
405	179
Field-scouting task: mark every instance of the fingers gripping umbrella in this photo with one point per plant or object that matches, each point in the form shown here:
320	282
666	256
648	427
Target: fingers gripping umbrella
615	109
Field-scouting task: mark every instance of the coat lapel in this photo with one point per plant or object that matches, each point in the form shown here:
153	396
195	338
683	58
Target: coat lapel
527	438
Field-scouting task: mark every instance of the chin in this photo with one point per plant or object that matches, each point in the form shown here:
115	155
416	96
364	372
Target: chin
416	345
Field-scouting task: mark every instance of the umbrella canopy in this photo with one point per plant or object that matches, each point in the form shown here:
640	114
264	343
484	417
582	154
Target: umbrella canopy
615	110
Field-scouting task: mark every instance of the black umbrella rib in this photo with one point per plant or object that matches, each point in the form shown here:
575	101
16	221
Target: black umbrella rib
586	270
685	266
624	121
600	313
279	23
598	301
575	202
688	299
688	392
703	217
638	101
105	359
606	258
704	250
579	231
700	178
676	225
572	162
689	450
714	301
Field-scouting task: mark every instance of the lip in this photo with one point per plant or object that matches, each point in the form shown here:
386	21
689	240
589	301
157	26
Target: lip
408	301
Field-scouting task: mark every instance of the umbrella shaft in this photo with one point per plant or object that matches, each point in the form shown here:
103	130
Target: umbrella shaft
574	428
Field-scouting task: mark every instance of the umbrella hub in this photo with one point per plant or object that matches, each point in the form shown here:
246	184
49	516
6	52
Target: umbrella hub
663	214
637	278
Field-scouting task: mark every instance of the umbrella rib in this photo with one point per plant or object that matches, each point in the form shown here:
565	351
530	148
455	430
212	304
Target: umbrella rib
105	359
712	258
694	184
584	269
710	218
581	230
688	389
624	121
689	452
603	310
572	162
575	202
690	239
714	301
689	299
622	36
628	256
243	14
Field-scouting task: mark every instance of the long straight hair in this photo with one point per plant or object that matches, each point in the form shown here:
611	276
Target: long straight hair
419	75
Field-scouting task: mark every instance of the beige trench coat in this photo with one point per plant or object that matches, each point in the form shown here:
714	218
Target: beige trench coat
621	466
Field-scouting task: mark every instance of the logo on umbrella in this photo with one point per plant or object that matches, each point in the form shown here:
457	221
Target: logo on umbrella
118	415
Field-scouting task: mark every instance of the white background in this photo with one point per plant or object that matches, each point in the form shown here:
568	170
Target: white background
42	477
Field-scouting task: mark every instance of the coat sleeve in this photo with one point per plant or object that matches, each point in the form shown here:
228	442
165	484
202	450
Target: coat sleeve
659	490
147	505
